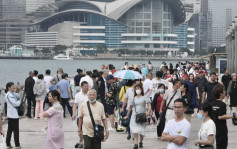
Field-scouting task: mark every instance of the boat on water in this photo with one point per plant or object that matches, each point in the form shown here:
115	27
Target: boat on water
62	57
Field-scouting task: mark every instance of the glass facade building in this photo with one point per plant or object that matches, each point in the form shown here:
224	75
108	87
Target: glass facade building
140	24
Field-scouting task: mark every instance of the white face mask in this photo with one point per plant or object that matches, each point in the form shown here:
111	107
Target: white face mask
138	92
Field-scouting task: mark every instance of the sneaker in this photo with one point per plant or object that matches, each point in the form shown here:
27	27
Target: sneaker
129	137
9	147
77	145
141	145
135	146
81	146
18	147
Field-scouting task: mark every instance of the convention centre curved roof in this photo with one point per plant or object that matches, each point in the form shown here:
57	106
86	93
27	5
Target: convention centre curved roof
114	10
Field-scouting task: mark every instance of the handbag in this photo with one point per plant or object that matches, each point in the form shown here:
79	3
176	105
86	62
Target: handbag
124	122
140	117
162	117
189	110
98	129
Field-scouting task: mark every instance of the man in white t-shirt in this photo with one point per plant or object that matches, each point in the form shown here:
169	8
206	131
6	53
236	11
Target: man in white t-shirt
177	130
156	82
80	98
147	83
47	79
88	79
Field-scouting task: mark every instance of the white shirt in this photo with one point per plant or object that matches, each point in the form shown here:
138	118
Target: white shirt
181	128
130	95
47	80
88	80
154	86
35	78
207	128
168	95
80	98
146	85
191	71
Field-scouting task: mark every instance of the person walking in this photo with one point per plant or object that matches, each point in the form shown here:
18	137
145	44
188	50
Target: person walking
138	105
66	94
29	85
40	93
186	95
102	88
177	130
232	91
80	98
12	114
225	79
155	83
77	80
111	99
155	106
171	94
55	134
58	77
207	132
201	80
219	116
193	88
88	79
85	125
209	87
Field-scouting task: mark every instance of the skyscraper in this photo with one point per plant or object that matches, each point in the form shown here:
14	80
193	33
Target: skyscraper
222	12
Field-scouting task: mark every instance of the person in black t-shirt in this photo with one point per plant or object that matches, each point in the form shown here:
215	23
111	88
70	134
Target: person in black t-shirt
77	80
225	79
219	117
208	88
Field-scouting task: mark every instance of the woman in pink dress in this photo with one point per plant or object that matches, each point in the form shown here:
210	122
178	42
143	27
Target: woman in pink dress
55	135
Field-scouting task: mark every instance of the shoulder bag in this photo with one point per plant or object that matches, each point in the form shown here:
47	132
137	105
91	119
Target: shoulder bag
98	129
162	117
140	117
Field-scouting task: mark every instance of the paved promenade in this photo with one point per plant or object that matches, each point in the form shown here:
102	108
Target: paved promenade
31	136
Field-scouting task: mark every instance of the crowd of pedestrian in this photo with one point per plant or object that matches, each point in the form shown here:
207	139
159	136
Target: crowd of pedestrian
169	97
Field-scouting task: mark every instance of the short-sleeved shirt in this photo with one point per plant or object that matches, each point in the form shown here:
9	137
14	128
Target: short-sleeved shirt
201	83
63	86
207	128
146	85
98	113
57	78
208	89
80	98
47	80
154	85
219	109
77	79
169	94
88	80
130	95
226	79
144	71
181	128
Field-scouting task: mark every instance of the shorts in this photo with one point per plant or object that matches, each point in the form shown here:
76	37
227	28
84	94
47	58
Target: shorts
110	109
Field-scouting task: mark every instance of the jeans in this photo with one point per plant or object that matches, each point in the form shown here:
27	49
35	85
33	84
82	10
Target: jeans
13	126
64	102
30	98
91	143
129	119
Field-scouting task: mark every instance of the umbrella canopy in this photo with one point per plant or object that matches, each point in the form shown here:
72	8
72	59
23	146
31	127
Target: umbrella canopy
127	74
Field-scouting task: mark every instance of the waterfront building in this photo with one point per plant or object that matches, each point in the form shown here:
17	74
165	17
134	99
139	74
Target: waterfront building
231	46
132	24
33	5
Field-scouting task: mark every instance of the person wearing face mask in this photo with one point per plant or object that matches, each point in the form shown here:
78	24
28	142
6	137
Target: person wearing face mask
155	106
219	116
85	122
138	105
207	132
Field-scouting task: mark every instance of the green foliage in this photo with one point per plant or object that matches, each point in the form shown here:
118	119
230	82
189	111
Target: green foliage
46	50
101	48
59	49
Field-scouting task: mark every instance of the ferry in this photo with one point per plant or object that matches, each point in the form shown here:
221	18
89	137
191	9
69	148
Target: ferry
62	57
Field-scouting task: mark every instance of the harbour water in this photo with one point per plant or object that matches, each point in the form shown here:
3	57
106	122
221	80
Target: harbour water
17	70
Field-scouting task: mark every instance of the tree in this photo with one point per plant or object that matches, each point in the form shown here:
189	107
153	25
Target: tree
185	50
46	50
59	49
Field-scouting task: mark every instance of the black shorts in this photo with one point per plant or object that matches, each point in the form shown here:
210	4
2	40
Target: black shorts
110	109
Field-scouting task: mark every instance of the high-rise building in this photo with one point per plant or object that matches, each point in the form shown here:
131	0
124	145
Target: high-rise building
33	5
13	22
222	12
